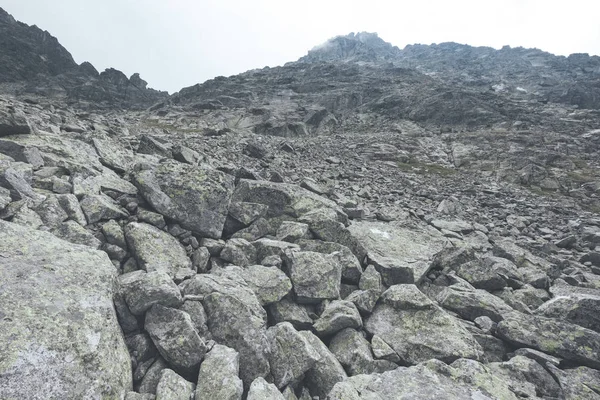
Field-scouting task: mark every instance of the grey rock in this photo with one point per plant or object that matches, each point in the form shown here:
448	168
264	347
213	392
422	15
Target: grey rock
67	295
338	315
171	386
141	290
72	232
290	231
470	304
175	337
218	377
268	283
315	277
327	371
260	389
154	249
410	248
101	208
353	351
150	145
233	324
13	122
113	232
197	314
551	336
70	205
150	380
287	310
417	329
351	268
195	197
239	252
283	198
583	310
291	354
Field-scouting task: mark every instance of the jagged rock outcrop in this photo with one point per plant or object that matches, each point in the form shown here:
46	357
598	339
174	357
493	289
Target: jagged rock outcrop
33	62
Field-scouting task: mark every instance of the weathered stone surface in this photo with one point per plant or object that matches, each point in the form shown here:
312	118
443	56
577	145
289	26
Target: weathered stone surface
150	380
51	212
218	377
526	376
351	268
291	354
233	324
175	337
70	205
338	315
353	351
578	383
290	231
555	337
470	304
13	122
327	371
417	329
262	390
268	247
315	276
269	284
404	253
283	198
194	196
580	309
113	232
67	294
154	249
101	208
72	232
171	386
141	290
432	380
287	310
113	154
239	252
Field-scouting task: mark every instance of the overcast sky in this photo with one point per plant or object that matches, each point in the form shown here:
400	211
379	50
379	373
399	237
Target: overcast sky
178	43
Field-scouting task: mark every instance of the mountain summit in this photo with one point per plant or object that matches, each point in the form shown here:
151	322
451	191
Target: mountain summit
362	46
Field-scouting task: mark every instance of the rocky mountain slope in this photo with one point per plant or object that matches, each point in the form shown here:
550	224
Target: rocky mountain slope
33	63
364	223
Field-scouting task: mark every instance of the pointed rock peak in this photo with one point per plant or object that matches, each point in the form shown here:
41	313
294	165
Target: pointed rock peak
362	46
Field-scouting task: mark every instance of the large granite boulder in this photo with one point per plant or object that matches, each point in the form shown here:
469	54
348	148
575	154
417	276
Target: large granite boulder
156	250
552	336
418	329
196	197
401	254
59	336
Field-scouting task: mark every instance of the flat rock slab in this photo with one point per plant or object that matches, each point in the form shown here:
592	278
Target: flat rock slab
552	336
283	198
196	197
59	336
401	254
